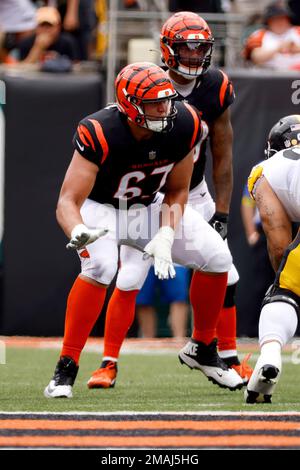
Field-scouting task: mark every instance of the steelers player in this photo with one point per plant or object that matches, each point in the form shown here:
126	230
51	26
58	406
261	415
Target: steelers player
275	186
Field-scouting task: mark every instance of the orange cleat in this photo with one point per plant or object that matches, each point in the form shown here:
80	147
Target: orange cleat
244	369
105	377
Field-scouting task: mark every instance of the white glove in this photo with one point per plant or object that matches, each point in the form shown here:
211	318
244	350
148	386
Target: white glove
81	236
160	248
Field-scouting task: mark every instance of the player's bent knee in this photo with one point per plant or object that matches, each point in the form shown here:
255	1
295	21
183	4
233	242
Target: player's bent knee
220	262
131	277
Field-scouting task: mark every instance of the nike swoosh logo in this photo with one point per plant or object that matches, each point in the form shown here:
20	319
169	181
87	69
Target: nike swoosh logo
202	194
80	146
220	375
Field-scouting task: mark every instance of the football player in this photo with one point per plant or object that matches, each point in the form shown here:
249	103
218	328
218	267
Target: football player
274	184
110	196
186	47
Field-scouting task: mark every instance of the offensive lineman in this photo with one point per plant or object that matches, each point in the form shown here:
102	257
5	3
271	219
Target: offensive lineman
275	186
186	47
113	182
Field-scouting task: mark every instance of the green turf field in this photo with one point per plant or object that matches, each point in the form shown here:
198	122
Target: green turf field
145	383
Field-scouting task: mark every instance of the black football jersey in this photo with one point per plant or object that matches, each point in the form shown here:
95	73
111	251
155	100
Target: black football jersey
131	170
211	95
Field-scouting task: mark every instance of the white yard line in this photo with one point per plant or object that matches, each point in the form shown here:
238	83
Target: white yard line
155	413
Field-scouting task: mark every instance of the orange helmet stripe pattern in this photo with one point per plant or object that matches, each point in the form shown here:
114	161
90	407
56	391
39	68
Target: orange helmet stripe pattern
179	24
141	82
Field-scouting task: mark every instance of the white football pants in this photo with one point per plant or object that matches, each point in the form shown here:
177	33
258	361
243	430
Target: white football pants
133	270
197	245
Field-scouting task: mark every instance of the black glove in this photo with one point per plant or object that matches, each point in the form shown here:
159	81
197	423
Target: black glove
219	222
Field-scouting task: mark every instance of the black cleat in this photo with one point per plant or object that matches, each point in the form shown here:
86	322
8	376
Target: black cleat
197	355
63	379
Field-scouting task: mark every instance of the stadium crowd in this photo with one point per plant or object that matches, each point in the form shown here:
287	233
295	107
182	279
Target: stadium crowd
34	31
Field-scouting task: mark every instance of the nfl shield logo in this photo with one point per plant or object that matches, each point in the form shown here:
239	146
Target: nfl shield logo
152	155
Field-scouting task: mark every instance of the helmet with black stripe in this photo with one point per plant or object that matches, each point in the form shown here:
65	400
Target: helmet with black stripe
186	44
141	83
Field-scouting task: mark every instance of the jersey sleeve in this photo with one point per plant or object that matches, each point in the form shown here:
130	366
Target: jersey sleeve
255	175
89	140
220	95
193	125
226	93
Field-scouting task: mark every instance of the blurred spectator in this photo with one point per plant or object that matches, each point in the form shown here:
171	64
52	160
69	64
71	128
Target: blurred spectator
174	293
17	21
133	4
277	45
255	22
17	16
79	19
3	51
249	7
145	5
48	40
101	32
251	219
198	6
5	58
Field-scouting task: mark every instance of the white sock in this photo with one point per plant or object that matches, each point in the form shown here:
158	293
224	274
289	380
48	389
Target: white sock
271	354
227	353
277	322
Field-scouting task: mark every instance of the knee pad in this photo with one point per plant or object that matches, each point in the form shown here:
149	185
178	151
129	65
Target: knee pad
132	276
229	300
278	294
220	262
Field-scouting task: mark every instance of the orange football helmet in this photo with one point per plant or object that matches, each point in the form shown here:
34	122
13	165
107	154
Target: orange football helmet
186	44
140	83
